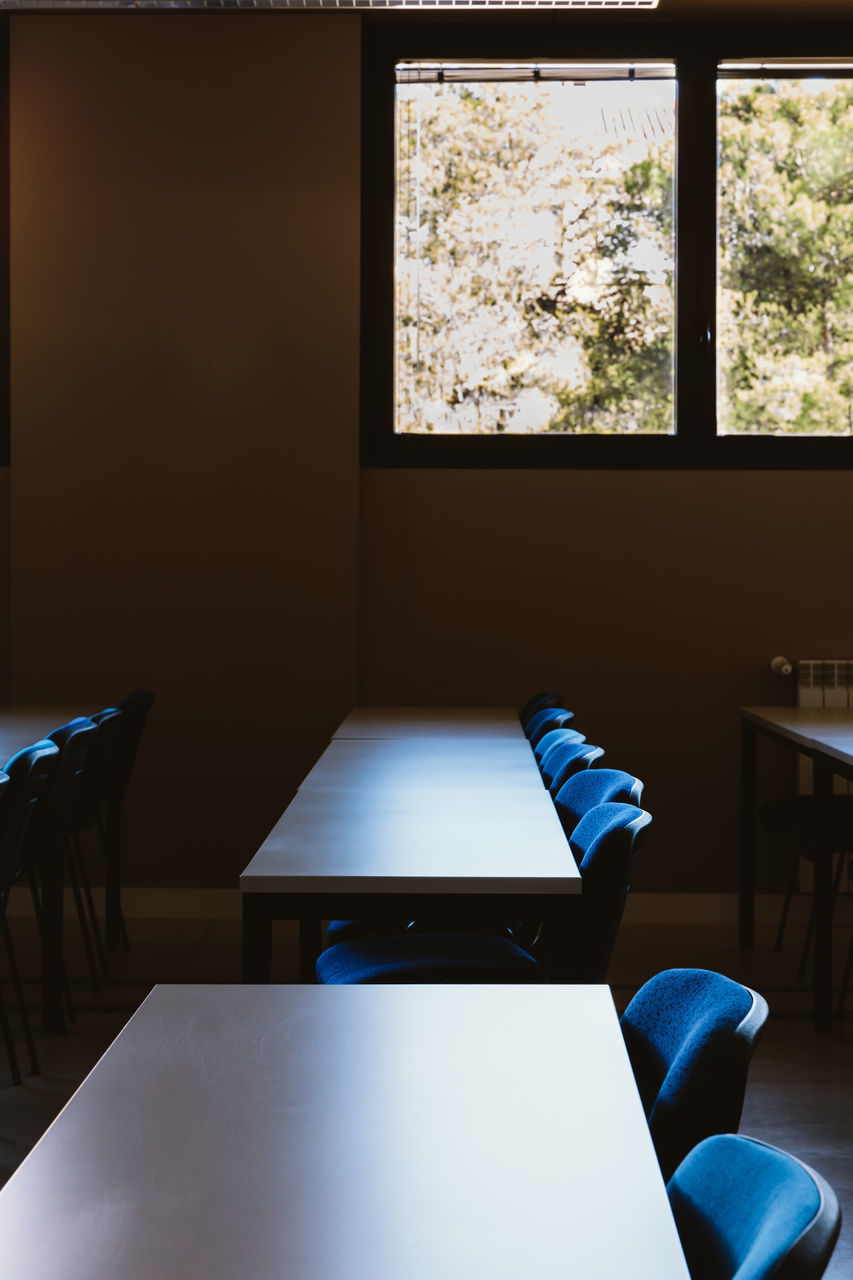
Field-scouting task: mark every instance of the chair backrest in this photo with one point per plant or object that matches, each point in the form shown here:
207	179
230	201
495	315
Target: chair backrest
95	782
537	701
553	738
604	845
564	760
75	740
690	1035
584	790
30	772
134	713
748	1211
544	721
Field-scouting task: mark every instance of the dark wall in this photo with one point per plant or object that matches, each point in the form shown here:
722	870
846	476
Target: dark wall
184	496
186	510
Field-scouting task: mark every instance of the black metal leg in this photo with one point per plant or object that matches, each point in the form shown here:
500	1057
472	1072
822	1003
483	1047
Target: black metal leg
52	965
822	916
257	939
109	832
746	930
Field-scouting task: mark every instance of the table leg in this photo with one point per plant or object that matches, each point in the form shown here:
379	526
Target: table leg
257	939
822	907
746	930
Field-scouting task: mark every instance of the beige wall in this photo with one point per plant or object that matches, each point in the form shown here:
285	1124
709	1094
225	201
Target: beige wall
185	501
185	220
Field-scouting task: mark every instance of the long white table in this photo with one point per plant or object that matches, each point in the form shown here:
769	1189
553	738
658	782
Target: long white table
420	823
350	1133
480	724
825	736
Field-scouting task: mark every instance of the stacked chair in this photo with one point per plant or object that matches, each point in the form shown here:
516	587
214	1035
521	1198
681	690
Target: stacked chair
28	777
50	793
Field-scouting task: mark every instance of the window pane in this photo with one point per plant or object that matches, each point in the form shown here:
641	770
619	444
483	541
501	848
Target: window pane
785	256
534	255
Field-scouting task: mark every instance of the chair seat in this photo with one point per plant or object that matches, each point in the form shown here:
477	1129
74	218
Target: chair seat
428	957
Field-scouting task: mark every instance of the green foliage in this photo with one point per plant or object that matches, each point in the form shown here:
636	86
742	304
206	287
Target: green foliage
535	259
785	315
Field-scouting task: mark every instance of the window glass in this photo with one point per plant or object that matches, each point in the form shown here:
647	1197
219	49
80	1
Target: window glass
534	252
785	254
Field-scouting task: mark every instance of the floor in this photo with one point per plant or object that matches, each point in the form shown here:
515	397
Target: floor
800	1086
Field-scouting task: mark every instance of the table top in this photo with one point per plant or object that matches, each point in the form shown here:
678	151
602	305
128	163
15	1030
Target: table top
379	765
454	841
22	725
366	1133
826	731
480	723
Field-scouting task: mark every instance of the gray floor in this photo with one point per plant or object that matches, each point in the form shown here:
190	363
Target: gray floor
800	1088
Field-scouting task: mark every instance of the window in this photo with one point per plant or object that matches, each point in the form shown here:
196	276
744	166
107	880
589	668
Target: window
785	250
638	257
534	248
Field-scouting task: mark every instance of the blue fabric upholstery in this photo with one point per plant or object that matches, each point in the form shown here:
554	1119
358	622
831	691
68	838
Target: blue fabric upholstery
538	701
604	844
690	1034
550	718
425	957
553	738
748	1211
565	759
590	787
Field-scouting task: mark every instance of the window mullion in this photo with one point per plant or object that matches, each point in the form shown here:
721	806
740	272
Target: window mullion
695	371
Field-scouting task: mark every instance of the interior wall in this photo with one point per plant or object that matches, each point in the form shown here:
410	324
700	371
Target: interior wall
653	600
184	495
185	504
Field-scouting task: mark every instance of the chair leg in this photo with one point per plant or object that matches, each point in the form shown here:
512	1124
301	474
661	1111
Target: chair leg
109	833
85	885
81	916
845	980
18	987
842	861
786	905
66	985
6	1031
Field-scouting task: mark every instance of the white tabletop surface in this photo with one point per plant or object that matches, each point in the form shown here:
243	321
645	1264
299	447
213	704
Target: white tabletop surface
827	730
350	1133
480	723
415	841
382	764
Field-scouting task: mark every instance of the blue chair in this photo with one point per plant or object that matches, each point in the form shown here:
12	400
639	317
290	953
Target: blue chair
690	1035
544	721
566	759
538	701
78	744
604	845
30	775
590	787
553	738
747	1211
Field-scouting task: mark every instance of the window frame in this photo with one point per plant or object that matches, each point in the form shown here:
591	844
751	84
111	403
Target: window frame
696	49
